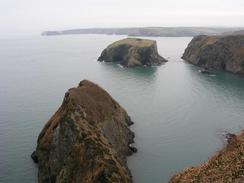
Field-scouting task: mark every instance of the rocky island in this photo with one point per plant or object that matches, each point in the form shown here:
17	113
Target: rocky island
217	52
86	140
226	166
133	52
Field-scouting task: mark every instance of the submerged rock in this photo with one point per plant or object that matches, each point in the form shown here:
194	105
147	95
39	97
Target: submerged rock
217	52
86	140
226	166
133	52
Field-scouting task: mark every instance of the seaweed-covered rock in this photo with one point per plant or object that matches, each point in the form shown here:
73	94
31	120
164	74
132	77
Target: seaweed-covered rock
133	52
86	140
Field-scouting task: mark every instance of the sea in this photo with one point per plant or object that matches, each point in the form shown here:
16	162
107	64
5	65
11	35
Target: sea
180	114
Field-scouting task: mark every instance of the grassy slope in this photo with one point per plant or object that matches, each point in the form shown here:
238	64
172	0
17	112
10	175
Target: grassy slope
227	166
133	42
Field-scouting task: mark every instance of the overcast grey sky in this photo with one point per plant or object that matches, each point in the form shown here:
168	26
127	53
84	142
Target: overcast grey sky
33	15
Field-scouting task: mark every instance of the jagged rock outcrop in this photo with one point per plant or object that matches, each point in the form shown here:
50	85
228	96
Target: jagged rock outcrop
227	166
133	52
86	140
217	52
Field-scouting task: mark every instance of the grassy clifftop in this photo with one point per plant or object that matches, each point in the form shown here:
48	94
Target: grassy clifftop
133	42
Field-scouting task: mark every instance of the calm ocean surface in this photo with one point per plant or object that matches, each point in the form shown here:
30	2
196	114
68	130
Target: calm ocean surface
179	113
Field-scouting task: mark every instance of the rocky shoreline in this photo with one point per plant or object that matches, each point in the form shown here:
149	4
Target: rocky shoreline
86	140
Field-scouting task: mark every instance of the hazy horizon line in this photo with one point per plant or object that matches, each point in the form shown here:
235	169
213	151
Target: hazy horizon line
125	27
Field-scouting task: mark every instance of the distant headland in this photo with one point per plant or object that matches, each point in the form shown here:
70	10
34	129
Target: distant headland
149	31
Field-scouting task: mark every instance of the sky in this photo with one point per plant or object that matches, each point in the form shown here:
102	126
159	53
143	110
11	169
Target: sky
40	15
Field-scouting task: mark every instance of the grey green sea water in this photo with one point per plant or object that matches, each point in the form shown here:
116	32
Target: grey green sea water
179	113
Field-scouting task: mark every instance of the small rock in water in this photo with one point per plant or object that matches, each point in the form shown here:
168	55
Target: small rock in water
34	157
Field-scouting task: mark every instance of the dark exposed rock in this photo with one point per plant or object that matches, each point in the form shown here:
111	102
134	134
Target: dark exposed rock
34	157
133	52
86	140
205	71
217	52
230	137
133	149
129	122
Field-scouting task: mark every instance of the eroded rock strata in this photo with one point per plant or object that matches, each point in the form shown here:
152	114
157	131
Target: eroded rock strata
217	52
86	140
133	52
227	166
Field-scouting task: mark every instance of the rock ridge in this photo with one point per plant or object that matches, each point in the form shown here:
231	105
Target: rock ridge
86	140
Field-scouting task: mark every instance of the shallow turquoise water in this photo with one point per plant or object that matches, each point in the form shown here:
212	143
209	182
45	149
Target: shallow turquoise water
179	113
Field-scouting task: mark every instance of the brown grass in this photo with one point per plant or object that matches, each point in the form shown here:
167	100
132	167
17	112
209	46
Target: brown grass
133	42
227	166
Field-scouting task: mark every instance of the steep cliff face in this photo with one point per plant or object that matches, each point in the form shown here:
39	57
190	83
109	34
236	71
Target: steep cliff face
86	140
227	166
133	52
217	52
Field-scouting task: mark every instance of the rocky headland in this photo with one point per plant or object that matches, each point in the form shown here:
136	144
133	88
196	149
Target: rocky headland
133	52
217	52
227	166
86	140
148	31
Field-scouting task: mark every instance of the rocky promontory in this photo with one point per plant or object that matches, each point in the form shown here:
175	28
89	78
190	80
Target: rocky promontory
133	52
227	166
86	140
217	52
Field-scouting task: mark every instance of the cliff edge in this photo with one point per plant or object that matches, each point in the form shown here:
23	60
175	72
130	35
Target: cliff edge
227	166
217	52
